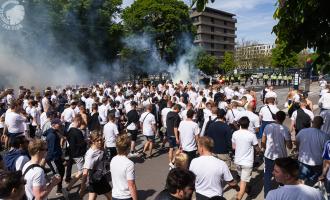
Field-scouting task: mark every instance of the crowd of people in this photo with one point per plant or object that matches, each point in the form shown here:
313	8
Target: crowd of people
214	134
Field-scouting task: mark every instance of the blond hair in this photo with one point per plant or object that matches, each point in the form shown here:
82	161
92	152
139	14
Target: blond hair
181	160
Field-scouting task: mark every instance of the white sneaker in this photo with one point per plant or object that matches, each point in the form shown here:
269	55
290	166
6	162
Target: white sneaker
65	193
130	155
171	165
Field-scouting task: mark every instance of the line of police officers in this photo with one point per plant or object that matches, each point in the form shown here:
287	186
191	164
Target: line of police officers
275	79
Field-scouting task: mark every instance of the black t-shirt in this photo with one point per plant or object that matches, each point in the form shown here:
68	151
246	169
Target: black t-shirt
185	97
93	122
77	143
132	117
172	121
221	134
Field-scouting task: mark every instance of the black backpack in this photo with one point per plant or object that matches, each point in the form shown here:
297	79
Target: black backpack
208	124
303	120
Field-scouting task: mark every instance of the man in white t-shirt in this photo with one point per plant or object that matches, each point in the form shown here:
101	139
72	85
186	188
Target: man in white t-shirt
210	171
103	111
244	142
14	121
148	125
36	186
110	132
68	115
301	123
266	114
254	119
123	172
310	143
286	172
189	133
275	139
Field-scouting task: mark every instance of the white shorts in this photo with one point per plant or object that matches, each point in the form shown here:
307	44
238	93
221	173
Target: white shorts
244	172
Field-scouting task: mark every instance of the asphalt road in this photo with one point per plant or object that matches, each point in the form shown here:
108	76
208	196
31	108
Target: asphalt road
151	174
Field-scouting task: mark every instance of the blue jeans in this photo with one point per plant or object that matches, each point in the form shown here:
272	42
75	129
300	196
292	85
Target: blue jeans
309	173
269	167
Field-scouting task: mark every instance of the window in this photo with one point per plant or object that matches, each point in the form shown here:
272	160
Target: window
225	30
212	20
224	23
224	46
224	38
212	53
212	37
212	46
212	29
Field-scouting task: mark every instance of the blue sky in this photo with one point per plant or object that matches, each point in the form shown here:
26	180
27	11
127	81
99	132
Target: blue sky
254	18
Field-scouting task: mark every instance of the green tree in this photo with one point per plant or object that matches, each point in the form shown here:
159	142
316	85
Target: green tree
164	20
200	4
304	24
206	63
282	59
228	62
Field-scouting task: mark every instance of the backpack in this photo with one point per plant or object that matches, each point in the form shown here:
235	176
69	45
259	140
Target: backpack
10	159
304	120
208	124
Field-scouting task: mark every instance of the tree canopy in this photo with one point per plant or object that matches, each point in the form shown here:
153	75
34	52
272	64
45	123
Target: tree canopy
206	63
303	24
228	62
282	59
164	20
200	4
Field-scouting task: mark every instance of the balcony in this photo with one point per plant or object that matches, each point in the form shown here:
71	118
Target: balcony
203	31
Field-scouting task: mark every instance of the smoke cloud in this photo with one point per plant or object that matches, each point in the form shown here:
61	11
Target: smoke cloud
31	56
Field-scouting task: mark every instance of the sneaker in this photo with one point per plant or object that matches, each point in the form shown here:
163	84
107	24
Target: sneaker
130	155
171	165
65	193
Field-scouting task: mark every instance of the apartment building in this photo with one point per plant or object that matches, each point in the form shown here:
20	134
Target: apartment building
215	31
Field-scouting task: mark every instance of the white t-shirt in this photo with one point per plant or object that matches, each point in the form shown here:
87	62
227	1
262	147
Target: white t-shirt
35	114
265	113
188	130
43	119
164	113
14	122
325	101
89	102
148	120
231	115
68	114
254	119
122	170
210	173
244	141
311	142
110	132
93	156
103	113
292	192
276	135
35	177
20	162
